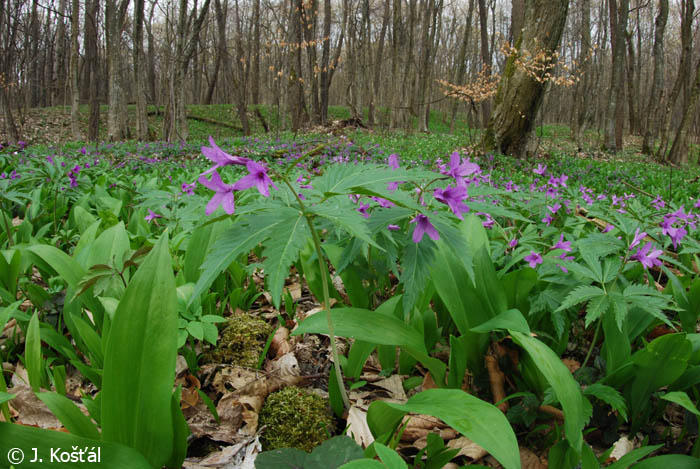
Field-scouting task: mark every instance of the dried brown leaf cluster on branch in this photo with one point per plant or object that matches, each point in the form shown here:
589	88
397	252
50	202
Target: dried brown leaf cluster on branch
541	66
483	87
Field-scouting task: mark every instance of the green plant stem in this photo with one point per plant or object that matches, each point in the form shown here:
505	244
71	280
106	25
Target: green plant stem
590	349
325	274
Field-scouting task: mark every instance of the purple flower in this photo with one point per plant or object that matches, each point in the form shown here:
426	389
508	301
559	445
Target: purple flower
608	228
188	188
383	202
258	177
548	219
669	220
658	203
533	259
392	186
423	226
219	157
152	216
513	242
637	238
561	244
697	204
676	235
540	169
363	210
554	208
223	194
460	168
453	197
394	161
393	227
647	259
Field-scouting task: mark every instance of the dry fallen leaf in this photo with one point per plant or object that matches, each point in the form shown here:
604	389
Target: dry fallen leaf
530	460
394	385
467	448
280	344
358	428
623	446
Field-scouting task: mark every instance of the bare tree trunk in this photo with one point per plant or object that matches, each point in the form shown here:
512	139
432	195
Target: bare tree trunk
631	86
7	38
378	60
139	75
461	72
684	70
151	57
485	58
657	87
614	124
519	95
295	87
92	71
115	17
309	22
582	106
255	81
677	154
58	75
74	69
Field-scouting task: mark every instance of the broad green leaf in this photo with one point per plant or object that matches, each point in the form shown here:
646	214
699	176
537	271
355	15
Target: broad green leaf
675	461
633	456
282	251
180	432
682	399
377	328
6	396
333	453
110	246
112	455
69	414
481	422
32	354
565	386
389	457
140	360
511	319
198	245
517	286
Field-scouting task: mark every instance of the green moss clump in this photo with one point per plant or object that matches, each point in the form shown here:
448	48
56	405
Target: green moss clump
241	342
294	418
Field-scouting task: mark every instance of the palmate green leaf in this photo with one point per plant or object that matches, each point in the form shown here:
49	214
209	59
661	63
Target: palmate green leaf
478	420
609	395
282	251
140	355
563	383
682	399
579	295
416	262
619	308
112	455
341	179
596	307
246	233
347	219
648	299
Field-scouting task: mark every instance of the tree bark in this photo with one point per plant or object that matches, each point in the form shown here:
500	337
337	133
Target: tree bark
485	58
678	155
582	106
519	95
115	18
614	119
92	70
74	69
684	71
139	75
657	86
255	82
461	71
